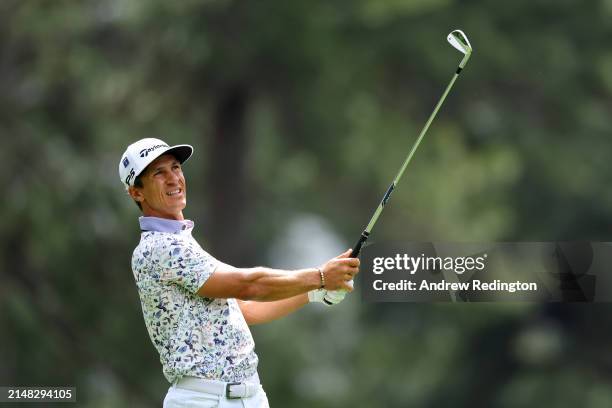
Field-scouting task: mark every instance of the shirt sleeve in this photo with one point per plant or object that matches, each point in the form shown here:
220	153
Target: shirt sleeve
184	263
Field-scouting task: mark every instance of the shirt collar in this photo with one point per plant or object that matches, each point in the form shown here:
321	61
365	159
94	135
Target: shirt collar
164	225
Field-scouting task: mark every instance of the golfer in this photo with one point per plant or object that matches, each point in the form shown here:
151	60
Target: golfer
196	308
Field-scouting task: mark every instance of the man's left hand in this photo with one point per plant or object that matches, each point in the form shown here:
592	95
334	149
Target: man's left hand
333	296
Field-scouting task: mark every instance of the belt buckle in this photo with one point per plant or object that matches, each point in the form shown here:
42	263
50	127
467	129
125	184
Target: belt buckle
227	390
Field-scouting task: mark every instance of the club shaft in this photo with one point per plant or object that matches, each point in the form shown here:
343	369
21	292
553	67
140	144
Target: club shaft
415	146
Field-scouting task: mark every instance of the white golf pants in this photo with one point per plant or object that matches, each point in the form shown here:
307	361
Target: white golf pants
186	398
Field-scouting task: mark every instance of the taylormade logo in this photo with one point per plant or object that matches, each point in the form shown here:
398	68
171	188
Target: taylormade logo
145	152
428	263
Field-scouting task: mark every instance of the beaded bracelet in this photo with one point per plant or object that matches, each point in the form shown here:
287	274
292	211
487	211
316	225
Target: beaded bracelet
322	278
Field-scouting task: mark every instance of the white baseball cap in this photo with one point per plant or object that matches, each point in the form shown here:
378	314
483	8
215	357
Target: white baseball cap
140	154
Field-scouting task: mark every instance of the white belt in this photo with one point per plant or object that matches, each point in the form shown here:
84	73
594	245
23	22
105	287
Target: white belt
229	390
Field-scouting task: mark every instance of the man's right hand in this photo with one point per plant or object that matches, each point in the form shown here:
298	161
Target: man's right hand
339	271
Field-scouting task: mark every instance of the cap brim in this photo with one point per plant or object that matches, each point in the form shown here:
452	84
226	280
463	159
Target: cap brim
181	152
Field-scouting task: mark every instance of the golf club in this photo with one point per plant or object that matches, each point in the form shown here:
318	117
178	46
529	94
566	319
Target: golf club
459	41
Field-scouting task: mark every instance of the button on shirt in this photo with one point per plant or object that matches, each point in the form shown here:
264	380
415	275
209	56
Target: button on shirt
194	335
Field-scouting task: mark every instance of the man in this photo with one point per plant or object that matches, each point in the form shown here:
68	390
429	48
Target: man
197	308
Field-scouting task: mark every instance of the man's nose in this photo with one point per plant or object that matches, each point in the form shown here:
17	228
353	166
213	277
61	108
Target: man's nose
172	178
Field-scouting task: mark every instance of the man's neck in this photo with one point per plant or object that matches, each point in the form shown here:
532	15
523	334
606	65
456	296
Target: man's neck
147	212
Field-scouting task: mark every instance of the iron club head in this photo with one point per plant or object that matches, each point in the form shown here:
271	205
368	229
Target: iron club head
459	41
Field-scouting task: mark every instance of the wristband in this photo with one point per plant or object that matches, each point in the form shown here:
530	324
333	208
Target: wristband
322	278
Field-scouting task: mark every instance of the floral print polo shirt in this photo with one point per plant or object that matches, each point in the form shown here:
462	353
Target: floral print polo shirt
195	336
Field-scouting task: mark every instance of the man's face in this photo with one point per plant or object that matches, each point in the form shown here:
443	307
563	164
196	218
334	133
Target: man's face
163	193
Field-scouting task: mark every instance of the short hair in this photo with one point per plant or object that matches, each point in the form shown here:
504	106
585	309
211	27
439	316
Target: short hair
138	183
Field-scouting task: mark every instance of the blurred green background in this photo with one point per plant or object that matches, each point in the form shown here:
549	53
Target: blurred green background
301	113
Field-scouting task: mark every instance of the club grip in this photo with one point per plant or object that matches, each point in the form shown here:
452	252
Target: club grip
357	248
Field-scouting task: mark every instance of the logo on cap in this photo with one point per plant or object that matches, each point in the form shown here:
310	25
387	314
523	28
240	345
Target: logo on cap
145	152
126	162
129	177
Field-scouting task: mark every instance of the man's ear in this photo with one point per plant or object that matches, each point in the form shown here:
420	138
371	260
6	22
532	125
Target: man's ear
136	194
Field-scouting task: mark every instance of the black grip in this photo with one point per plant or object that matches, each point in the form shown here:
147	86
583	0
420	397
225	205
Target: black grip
357	248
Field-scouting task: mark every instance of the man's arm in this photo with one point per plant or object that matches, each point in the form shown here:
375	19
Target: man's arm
262	312
265	284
